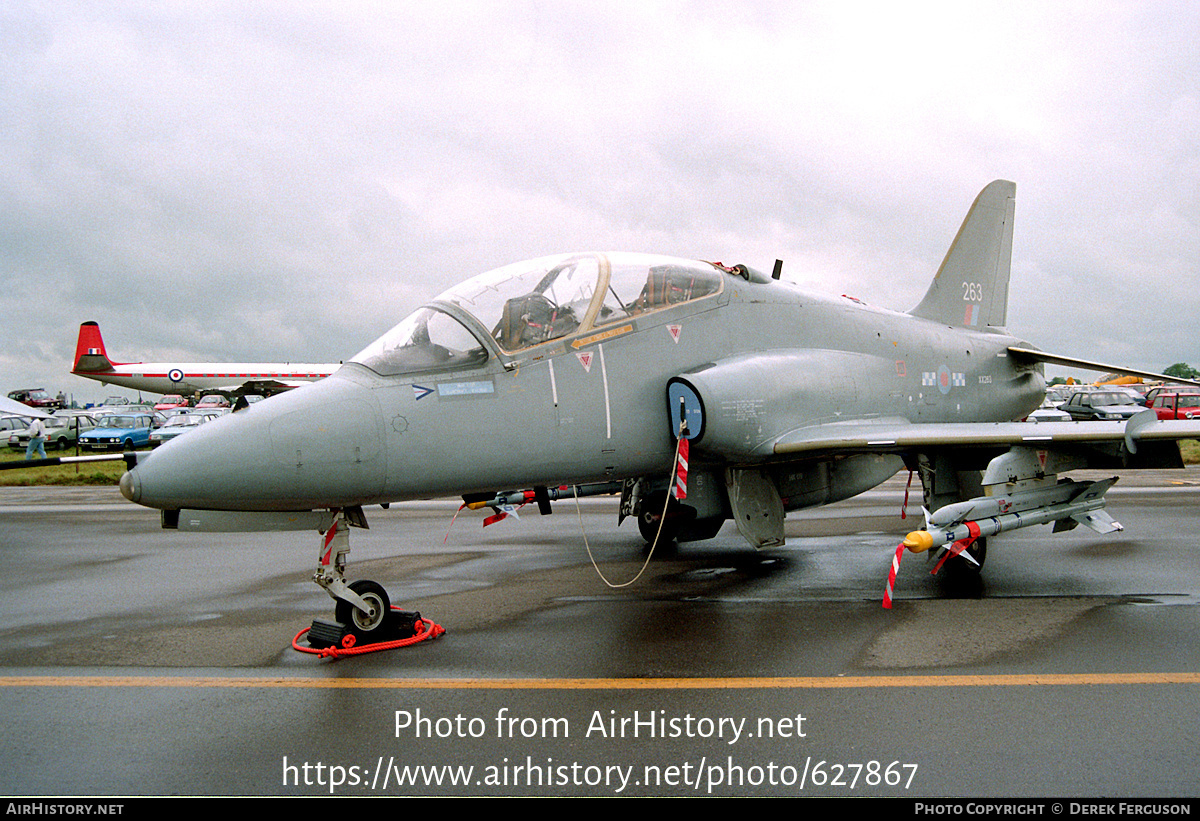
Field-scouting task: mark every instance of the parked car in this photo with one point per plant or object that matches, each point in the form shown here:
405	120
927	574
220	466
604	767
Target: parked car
71	413
120	431
1109	404
35	398
60	432
212	400
1057	395
1048	412
11	423
1176	405
180	424
1153	392
170	402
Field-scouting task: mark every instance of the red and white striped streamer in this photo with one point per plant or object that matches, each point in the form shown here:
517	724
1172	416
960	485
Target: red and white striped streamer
681	470
891	582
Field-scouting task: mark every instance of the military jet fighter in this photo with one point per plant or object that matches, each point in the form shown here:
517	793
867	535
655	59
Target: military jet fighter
587	370
92	362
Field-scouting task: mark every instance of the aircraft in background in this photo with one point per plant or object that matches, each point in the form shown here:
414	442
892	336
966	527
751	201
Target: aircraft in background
92	362
593	371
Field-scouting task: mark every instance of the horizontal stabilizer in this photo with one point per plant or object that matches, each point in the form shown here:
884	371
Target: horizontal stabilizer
1028	355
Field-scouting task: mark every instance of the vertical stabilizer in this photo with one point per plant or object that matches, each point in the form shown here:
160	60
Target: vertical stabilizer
971	288
90	356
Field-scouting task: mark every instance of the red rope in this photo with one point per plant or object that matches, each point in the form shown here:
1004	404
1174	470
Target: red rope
426	630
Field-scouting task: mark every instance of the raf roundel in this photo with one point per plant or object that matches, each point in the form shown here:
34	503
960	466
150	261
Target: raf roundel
943	379
175	375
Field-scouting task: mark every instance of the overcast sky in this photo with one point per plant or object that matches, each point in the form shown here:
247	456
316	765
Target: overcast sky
263	181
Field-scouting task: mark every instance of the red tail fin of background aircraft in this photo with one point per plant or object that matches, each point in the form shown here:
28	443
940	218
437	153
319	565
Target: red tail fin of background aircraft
90	356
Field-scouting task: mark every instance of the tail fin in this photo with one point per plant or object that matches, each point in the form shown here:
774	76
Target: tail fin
90	356
971	287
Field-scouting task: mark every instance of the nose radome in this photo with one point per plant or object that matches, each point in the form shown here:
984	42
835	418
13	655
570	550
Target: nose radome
317	446
131	486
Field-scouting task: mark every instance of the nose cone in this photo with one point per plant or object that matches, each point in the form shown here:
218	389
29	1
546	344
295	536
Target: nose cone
131	486
317	446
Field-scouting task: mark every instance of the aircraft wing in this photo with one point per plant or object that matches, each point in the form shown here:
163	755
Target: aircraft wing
263	386
897	435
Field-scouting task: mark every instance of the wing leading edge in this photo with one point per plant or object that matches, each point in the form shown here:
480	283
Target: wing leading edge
898	435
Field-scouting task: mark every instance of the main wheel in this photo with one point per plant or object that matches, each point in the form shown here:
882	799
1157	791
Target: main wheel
365	626
958	566
651	512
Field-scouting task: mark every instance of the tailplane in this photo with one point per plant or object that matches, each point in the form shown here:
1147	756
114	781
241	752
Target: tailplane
90	356
971	288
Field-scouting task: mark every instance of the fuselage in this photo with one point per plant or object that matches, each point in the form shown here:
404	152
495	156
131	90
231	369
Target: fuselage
588	404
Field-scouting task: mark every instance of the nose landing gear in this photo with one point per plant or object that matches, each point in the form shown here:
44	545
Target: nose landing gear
364	618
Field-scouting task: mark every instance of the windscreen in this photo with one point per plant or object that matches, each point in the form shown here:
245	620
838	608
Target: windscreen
427	340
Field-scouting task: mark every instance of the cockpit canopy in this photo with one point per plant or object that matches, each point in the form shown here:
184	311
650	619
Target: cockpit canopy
534	302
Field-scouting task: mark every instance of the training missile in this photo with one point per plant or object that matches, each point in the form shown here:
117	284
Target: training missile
553	494
1030	498
995	514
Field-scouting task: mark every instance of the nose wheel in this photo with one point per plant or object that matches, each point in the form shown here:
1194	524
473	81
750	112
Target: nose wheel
367	626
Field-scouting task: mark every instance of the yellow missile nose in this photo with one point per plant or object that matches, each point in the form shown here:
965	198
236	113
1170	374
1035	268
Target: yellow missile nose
918	541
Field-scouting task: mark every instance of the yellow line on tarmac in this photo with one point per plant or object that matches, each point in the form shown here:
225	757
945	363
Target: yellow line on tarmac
778	683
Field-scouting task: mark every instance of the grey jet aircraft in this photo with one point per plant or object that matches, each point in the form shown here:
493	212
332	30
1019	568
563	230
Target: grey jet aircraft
585	371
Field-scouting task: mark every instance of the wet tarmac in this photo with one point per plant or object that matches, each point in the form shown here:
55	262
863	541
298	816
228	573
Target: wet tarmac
140	661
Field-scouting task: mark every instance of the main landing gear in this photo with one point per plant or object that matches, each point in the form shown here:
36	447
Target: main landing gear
650	517
364	618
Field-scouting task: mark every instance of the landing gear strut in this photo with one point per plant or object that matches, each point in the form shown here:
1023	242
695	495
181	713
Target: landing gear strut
362	608
364	619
